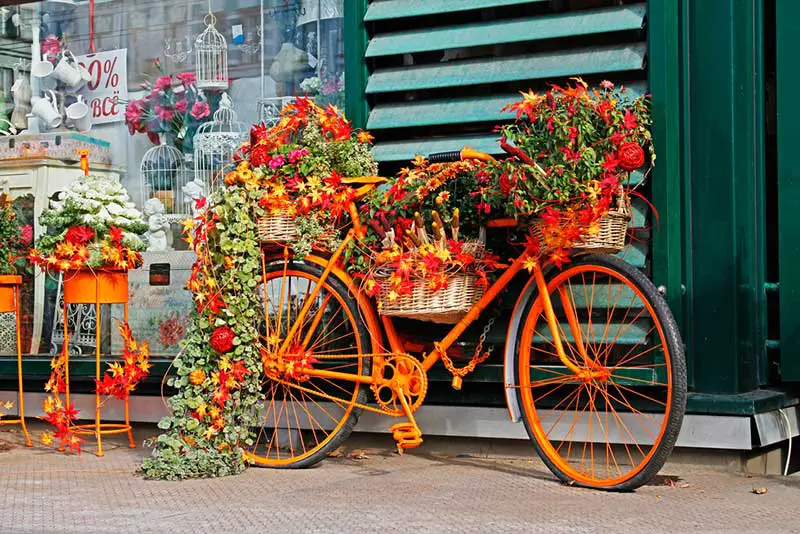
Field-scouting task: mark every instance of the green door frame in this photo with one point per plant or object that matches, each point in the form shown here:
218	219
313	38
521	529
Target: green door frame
787	13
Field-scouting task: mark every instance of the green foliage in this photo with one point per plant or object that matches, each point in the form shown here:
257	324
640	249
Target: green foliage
11	244
185	450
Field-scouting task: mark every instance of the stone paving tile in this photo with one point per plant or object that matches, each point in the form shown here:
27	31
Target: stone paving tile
44	491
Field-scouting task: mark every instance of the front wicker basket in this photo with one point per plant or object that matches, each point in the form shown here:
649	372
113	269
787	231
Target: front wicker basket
610	239
281	229
278	228
446	305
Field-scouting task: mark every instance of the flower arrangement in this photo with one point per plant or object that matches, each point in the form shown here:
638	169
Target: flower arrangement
573	150
402	252
119	381
301	167
325	91
218	371
13	246
173	107
91	225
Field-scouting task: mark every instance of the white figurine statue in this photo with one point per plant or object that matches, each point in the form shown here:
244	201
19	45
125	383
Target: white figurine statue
158	228
192	192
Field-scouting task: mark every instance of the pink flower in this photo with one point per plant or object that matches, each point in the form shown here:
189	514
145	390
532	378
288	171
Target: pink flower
200	110
297	154
27	234
187	78
163	83
605	84
277	161
51	45
182	105
164	114
133	111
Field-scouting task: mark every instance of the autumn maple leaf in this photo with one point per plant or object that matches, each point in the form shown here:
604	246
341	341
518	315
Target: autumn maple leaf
629	120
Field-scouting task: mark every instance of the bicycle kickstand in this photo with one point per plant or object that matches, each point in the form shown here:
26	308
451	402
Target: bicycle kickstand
407	434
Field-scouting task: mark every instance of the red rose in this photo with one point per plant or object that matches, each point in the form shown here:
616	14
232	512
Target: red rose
631	156
259	155
79	235
222	339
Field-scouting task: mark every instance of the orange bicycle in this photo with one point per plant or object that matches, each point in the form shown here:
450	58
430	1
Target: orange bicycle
594	364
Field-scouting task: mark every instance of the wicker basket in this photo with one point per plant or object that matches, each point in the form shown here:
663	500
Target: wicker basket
447	305
610	239
281	229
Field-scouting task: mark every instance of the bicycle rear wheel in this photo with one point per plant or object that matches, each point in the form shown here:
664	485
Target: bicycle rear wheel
302	418
614	428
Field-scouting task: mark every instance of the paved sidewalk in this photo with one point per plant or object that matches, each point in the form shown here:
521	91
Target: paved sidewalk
44	491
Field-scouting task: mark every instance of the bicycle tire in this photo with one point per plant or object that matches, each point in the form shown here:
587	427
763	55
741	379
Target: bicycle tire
673	395
345	422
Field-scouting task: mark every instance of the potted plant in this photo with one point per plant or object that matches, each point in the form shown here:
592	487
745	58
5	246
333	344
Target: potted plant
93	238
12	248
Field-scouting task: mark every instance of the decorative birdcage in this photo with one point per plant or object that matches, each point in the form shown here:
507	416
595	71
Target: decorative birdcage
211	51
269	109
214	146
163	175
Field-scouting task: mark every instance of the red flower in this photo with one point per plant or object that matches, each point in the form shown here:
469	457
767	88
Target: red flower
631	156
258	133
79	235
630	120
260	155
115	234
222	339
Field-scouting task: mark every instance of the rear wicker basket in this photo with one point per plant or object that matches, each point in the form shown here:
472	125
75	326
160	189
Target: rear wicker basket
446	305
610	239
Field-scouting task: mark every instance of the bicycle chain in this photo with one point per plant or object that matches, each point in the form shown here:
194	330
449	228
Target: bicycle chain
477	358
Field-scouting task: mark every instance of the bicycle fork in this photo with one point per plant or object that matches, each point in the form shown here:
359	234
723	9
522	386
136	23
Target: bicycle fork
591	369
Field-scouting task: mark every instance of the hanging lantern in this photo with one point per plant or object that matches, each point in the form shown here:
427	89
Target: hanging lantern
211	51
214	146
163	176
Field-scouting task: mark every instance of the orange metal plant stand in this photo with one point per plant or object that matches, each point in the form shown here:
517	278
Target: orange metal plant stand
10	302
96	287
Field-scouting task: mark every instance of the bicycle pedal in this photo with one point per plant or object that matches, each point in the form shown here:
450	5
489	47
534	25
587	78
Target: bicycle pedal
407	435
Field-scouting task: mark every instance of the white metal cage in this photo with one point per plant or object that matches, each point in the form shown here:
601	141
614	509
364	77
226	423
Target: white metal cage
211	54
163	175
214	146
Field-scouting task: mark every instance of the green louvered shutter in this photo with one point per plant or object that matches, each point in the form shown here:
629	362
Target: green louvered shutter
440	71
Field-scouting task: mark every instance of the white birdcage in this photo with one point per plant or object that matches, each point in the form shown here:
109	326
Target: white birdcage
163	175
214	146
269	109
211	51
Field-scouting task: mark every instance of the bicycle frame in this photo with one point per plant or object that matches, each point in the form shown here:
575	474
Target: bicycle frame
396	346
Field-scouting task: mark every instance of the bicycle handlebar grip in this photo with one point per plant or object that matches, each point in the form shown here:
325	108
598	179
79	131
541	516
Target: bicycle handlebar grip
445	157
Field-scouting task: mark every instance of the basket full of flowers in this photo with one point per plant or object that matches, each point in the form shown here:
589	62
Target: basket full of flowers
573	151
427	258
304	167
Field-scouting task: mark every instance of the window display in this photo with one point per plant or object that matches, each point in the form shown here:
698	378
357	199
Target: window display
134	83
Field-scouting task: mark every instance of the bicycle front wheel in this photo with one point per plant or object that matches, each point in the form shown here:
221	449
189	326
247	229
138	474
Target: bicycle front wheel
612	423
305	415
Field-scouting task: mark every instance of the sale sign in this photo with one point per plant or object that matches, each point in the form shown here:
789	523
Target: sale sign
107	90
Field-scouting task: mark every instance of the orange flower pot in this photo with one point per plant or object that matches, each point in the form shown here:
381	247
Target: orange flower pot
7	284
100	286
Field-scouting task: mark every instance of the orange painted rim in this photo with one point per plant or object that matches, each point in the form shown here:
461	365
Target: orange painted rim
301	401
99	286
526	387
